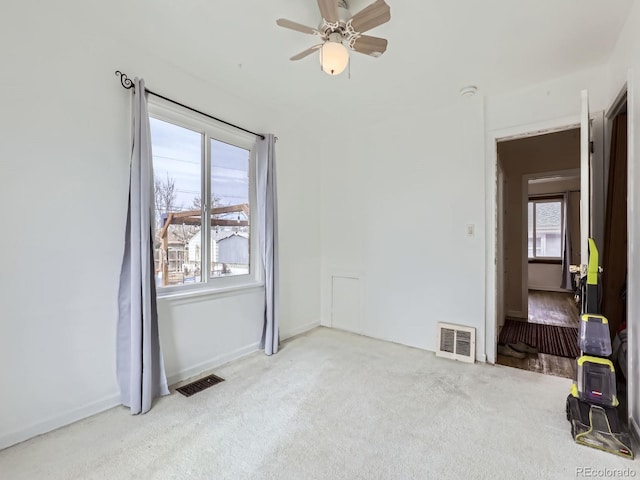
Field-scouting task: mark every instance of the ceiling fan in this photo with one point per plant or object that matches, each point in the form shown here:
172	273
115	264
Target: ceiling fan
338	33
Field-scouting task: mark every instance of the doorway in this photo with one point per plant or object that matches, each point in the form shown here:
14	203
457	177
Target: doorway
594	225
540	228
615	257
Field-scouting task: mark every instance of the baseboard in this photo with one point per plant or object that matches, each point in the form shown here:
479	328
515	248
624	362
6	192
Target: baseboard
515	314
299	330
212	363
57	421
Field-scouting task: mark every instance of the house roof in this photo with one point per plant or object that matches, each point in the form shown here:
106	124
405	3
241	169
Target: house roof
223	235
548	217
217	236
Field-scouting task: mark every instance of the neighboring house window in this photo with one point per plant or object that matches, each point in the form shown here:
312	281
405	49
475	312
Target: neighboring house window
545	228
203	185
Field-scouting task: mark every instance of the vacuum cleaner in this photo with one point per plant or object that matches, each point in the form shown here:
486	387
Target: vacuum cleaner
591	405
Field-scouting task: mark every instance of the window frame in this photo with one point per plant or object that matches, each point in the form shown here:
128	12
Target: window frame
211	130
545	199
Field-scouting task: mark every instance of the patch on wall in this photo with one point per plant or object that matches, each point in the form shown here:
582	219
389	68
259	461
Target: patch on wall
346	303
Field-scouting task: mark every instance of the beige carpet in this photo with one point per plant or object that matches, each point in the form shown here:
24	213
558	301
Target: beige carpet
330	405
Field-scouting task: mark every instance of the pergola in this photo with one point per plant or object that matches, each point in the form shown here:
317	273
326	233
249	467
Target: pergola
194	217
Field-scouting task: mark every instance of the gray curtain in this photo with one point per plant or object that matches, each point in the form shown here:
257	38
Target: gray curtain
567	277
268	230
140	368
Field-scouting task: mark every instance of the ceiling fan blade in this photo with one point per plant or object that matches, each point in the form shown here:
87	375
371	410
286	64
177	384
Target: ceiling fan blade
370	17
329	10
307	52
374	46
298	27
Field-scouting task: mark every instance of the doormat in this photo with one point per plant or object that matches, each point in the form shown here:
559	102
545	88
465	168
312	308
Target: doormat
199	385
549	339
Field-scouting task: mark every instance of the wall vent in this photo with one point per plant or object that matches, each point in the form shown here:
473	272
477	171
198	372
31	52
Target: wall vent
456	342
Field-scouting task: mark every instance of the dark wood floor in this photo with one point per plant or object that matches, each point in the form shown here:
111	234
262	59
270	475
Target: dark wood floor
550	308
553	308
542	363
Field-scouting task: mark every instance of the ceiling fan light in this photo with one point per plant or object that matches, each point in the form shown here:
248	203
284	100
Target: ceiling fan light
334	58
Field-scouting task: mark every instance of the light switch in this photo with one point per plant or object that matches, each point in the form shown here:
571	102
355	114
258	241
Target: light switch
471	229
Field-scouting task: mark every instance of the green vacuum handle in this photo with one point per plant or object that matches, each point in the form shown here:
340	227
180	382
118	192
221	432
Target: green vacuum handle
592	270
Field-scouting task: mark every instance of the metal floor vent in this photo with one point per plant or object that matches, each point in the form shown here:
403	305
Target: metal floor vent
199	385
456	342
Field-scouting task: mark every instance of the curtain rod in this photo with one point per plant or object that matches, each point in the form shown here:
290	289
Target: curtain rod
128	84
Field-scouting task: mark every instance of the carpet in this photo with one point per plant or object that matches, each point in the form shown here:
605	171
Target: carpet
549	339
330	406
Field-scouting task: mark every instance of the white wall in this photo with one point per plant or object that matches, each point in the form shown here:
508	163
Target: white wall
543	276
557	98
398	197
64	170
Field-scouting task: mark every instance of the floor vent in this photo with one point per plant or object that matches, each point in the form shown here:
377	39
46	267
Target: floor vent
456	342
199	385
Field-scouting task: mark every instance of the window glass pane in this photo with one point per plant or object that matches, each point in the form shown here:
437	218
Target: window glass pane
229	210
177	184
530	230
548	218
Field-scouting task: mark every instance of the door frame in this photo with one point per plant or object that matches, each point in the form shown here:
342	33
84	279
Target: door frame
633	239
500	302
628	93
491	213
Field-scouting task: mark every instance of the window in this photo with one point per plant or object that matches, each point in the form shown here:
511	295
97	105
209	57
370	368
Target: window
545	228
203	186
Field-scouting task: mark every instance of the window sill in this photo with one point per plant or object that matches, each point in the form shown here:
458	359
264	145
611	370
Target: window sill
549	261
209	293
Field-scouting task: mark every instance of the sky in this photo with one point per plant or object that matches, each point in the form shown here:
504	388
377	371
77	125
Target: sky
176	153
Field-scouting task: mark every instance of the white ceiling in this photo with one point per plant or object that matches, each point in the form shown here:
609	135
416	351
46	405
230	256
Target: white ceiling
435	47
